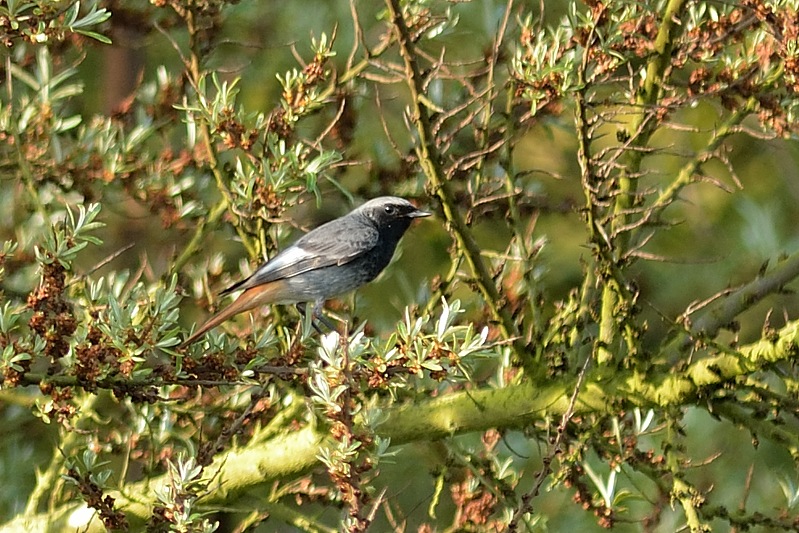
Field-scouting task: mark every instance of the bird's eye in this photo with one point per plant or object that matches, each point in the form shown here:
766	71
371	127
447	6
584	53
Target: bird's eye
390	209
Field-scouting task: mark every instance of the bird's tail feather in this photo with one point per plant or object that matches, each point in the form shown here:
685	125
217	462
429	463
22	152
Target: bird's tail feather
249	299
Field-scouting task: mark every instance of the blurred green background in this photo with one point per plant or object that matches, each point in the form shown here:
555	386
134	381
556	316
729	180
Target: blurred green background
718	238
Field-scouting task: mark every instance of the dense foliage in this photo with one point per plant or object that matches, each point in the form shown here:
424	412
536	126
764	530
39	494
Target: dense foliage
596	330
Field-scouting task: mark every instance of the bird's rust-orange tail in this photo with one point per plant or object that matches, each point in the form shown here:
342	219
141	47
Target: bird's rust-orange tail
249	299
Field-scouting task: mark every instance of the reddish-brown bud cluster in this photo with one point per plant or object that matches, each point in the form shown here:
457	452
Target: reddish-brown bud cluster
234	134
61	408
212	366
265	196
474	507
113	519
52	317
97	358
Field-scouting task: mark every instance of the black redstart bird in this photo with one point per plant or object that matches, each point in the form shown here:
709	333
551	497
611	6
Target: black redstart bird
333	259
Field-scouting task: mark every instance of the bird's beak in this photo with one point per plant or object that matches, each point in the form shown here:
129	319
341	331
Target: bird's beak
419	214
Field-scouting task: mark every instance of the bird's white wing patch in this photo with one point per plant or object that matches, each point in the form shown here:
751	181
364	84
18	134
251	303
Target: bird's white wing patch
290	257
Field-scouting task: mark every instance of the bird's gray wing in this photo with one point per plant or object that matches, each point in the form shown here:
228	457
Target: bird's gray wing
336	243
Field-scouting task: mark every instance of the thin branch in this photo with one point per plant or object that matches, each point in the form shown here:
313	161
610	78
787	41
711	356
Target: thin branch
546	469
686	174
430	161
724	311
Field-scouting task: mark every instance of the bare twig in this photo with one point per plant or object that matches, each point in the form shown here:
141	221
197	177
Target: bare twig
555	449
430	161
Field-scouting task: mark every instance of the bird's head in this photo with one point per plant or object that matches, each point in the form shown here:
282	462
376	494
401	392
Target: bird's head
391	212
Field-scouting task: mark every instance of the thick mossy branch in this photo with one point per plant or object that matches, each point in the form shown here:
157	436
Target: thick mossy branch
290	454
282	457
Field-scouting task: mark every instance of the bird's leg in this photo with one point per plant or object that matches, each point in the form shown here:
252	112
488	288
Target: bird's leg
318	314
301	308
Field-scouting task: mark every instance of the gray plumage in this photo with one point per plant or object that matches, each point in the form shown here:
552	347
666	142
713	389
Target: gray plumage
333	259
